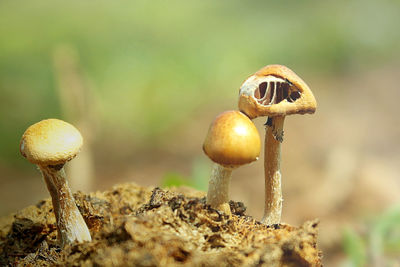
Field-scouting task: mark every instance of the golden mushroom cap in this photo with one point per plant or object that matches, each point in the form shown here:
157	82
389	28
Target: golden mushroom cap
51	142
232	140
275	90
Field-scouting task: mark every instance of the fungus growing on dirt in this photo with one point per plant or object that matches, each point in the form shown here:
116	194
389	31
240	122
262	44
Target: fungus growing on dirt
232	140
274	91
50	144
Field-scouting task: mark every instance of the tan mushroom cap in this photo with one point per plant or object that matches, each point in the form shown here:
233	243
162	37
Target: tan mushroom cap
51	142
292	95
232	140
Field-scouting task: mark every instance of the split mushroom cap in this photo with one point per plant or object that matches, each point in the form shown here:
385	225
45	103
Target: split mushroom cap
51	142
275	90
232	140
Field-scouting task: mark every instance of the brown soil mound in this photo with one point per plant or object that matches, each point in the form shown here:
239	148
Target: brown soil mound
137	226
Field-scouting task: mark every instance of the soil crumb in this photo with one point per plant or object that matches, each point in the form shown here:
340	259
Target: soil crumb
138	226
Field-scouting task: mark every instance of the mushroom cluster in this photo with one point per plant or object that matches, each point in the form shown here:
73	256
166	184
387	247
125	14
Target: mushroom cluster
50	144
273	92
232	141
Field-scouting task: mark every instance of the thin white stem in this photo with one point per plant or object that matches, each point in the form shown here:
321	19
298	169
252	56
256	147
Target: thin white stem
272	162
71	226
218	188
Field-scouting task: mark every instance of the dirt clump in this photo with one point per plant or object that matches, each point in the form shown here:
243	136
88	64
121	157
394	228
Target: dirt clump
137	226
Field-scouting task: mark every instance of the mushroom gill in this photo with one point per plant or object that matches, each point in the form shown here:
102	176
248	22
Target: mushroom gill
275	91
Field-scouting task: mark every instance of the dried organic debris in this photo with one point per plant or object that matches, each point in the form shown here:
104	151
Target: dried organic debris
137	226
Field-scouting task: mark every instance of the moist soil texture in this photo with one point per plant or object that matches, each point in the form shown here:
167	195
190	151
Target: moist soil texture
138	226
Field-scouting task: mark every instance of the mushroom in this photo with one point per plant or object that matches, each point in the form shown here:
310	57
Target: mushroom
50	144
232	140
274	91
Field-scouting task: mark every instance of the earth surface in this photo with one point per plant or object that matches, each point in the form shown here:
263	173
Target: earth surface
143	226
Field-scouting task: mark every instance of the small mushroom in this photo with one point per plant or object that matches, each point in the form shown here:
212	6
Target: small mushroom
50	144
274	91
232	140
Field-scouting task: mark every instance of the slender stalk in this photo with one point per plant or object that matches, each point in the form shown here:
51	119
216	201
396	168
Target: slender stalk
218	188
71	226
77	104
272	160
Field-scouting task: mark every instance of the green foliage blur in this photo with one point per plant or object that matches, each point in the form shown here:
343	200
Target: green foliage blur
379	245
153	64
200	169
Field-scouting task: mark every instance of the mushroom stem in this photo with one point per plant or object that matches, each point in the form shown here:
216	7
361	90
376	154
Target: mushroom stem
218	188
272	160
71	226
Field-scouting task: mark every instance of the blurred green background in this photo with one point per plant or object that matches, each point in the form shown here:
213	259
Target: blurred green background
142	80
